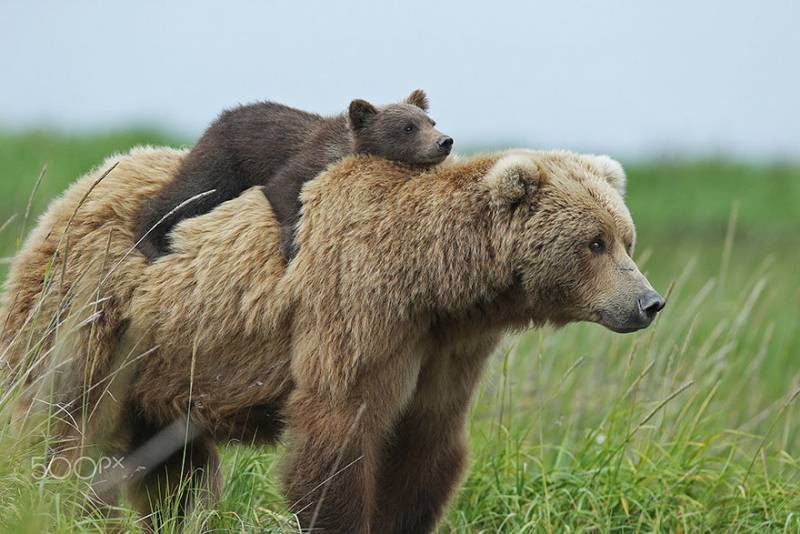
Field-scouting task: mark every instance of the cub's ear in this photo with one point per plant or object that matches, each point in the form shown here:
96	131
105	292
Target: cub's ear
360	112
511	179
418	98
612	171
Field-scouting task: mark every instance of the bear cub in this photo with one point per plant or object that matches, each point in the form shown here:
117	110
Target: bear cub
281	148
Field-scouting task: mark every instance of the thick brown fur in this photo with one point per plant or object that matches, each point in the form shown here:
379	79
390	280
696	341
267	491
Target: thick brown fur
50	340
369	346
281	148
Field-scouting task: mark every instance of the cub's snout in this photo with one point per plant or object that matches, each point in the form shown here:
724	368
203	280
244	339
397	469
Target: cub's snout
445	144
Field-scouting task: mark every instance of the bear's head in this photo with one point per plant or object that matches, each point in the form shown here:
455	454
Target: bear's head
401	132
572	244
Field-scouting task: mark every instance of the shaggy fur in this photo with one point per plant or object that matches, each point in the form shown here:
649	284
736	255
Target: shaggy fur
282	148
59	321
367	349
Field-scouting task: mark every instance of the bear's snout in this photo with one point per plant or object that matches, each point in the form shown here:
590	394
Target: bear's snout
635	314
650	303
445	143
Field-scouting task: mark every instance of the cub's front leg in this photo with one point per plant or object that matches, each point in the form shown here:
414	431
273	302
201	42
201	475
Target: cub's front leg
283	193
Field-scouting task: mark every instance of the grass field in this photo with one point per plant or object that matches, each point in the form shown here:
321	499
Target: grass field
688	426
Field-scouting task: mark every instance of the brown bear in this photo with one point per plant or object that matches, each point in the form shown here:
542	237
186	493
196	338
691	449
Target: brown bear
281	148
364	351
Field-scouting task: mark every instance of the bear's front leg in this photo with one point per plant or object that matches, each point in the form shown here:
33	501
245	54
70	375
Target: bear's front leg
427	453
336	441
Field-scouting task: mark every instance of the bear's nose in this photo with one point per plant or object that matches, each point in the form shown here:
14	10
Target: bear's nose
650	303
445	142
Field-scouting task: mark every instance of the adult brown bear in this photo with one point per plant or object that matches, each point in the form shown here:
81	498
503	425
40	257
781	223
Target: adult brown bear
366	349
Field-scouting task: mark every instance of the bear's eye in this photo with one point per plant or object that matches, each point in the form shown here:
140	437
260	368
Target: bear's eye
409	128
598	246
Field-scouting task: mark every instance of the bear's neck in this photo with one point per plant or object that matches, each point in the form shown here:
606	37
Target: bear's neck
333	137
381	243
468	272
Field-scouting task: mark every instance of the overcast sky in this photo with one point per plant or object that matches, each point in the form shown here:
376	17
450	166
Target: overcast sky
625	77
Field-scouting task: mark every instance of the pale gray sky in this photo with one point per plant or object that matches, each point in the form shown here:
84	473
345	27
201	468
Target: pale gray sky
624	77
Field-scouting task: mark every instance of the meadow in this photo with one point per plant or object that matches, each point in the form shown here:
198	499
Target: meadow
688	426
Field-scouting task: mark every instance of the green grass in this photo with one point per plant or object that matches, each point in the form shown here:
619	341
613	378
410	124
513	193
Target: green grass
687	426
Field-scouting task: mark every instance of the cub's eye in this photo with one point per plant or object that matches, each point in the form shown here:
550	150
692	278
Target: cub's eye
409	128
598	246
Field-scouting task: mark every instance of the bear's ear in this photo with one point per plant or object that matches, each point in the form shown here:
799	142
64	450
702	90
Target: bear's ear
360	112
511	179
418	98
612	171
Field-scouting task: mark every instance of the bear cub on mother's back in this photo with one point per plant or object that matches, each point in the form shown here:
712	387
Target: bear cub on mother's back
281	148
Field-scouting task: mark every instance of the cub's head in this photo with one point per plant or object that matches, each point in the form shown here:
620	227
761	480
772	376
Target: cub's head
573	240
400	132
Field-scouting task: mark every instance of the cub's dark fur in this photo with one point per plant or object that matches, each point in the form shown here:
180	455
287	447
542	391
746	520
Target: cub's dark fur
281	148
